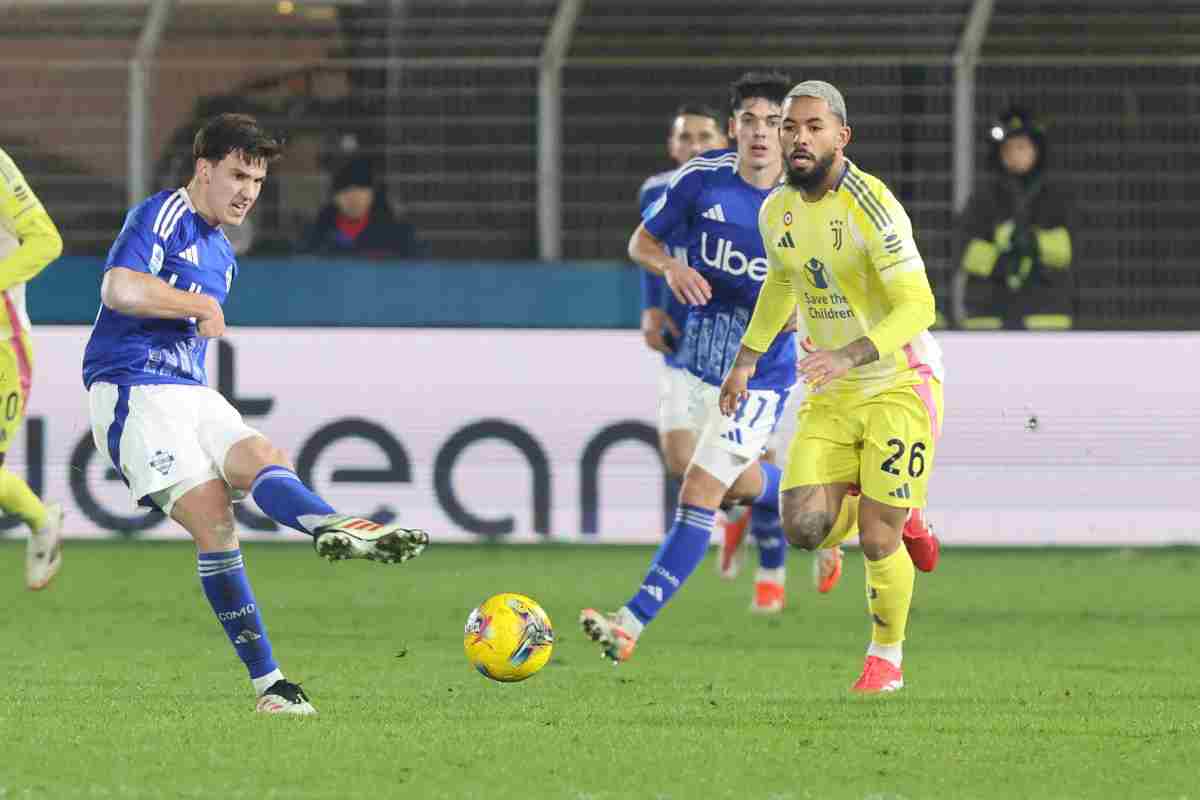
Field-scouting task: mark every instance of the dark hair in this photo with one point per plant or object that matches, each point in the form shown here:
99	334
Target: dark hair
229	133
698	110
770	86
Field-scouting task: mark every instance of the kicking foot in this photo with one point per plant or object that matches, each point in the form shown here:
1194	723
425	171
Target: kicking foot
43	551
768	597
827	569
284	697
729	551
339	537
604	629
878	676
923	546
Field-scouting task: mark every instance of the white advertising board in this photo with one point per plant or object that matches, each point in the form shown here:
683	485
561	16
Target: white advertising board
1073	438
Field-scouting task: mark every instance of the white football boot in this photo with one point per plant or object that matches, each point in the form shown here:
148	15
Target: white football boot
43	551
339	536
284	697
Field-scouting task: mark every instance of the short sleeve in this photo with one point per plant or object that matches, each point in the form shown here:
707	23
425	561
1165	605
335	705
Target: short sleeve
677	204
140	245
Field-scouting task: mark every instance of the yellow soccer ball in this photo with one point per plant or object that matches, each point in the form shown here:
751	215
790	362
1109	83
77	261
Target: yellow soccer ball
508	638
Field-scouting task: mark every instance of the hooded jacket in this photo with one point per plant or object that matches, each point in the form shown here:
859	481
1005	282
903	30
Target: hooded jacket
1014	243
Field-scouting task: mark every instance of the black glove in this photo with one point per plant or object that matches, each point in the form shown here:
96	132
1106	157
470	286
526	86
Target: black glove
1016	264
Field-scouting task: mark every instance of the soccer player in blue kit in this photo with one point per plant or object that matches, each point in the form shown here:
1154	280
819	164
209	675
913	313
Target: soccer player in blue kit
695	129
177	443
717	196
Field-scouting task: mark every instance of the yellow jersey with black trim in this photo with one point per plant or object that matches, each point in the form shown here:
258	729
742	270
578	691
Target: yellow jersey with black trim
28	242
849	264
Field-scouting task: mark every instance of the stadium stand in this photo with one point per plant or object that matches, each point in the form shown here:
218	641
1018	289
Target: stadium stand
445	92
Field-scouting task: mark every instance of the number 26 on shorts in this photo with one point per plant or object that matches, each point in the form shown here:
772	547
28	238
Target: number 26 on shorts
894	463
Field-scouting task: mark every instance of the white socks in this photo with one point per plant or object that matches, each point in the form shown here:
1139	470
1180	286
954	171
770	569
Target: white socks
775	575
891	652
632	625
262	683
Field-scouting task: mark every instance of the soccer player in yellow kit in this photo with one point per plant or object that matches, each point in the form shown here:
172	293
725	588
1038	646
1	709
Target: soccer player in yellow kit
840	247
28	242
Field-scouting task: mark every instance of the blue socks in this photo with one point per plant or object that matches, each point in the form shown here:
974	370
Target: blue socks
768	500
767	531
765	525
283	498
685	547
223	577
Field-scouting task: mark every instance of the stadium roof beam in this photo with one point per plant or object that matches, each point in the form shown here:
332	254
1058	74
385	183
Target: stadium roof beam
966	56
157	15
549	161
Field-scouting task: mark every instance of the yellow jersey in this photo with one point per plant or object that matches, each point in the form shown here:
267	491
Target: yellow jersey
28	242
849	265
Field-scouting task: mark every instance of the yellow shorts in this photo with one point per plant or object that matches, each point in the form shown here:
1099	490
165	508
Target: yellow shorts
884	444
16	374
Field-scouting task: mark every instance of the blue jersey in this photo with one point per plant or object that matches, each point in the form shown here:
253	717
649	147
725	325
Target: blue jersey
655	292
166	238
720	212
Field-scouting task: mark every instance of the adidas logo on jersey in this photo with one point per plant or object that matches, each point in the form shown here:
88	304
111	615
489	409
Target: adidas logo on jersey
190	255
786	241
716	213
901	493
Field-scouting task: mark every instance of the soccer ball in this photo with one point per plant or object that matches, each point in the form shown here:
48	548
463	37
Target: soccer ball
508	638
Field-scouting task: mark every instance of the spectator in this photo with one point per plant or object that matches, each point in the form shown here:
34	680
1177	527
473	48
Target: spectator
1014	242
359	221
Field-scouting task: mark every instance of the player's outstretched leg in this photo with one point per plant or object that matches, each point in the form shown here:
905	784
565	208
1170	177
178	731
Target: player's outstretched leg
43	551
255	465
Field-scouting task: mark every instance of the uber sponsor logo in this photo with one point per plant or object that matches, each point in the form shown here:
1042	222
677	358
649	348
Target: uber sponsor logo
735	262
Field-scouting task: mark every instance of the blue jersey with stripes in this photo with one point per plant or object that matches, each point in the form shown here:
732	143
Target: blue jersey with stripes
720	212
166	238
655	292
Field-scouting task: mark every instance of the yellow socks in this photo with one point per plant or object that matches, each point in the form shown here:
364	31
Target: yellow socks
889	594
17	498
846	524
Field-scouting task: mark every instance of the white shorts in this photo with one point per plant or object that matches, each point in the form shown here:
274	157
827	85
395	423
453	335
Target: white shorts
165	439
728	445
675	400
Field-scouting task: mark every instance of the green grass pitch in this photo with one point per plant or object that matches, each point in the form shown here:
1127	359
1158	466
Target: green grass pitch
1031	674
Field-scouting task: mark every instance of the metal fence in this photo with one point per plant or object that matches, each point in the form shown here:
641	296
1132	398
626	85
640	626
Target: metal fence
523	129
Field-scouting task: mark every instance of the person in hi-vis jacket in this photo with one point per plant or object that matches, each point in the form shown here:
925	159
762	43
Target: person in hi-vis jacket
1014	238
